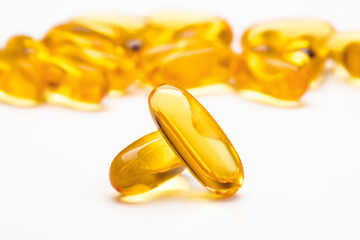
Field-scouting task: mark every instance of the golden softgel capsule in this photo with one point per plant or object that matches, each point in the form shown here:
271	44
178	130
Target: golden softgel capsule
282	58
21	71
278	38
197	139
345	50
109	43
74	83
271	79
144	165
189	63
162	28
188	137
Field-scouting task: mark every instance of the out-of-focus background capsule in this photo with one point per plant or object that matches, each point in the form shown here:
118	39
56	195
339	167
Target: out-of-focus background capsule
22	81
143	165
278	38
281	59
275	80
165	27
75	84
109	43
345	50
189	63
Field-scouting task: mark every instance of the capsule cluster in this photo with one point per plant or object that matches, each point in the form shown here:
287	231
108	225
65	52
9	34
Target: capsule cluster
81	61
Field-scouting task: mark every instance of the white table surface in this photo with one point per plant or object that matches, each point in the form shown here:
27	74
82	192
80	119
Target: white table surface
301	164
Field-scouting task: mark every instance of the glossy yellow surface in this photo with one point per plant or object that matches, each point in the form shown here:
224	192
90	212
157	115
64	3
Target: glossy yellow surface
21	75
162	28
345	50
144	165
187	63
76	81
109	43
279	38
284	80
197	139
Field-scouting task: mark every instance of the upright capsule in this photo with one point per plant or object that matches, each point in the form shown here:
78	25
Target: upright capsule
165	27
197	139
143	165
345	50
189	63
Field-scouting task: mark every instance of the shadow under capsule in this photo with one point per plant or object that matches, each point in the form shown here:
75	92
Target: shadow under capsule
175	189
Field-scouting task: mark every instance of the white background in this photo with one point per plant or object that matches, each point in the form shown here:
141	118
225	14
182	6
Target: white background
301	165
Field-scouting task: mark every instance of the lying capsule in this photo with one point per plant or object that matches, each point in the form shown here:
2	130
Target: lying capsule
109	43
279	37
345	50
276	80
21	71
197	139
165	27
143	165
75	84
188	63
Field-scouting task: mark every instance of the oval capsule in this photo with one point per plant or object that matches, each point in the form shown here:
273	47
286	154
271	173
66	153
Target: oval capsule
345	50
110	43
166	27
278	38
21	71
197	139
188	63
144	165
275	80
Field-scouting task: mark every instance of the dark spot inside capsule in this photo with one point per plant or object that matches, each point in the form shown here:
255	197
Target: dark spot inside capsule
308	51
134	44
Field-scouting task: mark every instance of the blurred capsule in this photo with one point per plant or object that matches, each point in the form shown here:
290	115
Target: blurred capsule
345	50
21	77
110	43
162	28
118	71
189	63
75	84
276	39
274	80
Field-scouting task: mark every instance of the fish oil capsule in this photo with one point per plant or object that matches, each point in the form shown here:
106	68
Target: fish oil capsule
345	50
281	37
119	72
124	31
144	165
279	81
74	83
78	35
21	80
188	63
197	139
111	43
166	27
